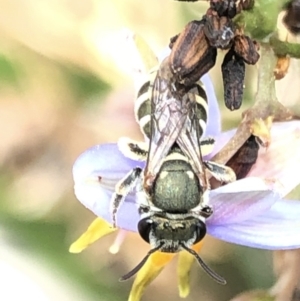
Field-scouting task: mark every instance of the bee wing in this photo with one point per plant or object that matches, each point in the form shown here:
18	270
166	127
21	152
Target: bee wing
192	130
167	120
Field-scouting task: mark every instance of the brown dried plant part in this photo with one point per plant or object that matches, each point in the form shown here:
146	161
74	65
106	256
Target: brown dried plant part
233	73
194	50
173	40
201	68
282	66
246	48
292	17
245	5
191	55
243	160
219	31
226	8
188	48
230	8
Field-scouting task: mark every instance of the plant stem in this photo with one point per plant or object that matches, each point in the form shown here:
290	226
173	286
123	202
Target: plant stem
285	48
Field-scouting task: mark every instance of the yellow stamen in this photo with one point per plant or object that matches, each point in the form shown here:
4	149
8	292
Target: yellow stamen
261	129
97	229
185	262
148	273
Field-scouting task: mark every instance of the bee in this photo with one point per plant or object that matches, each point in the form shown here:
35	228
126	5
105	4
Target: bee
173	188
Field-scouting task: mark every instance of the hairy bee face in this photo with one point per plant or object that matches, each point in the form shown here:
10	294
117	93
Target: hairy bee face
171	234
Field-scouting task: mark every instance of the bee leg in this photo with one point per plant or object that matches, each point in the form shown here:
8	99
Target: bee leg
204	209
123	187
133	149
207	145
221	172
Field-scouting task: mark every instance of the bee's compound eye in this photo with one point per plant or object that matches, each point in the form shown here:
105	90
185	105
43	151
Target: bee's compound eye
200	229
144	227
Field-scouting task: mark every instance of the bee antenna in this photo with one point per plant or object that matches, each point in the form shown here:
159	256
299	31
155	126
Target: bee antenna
205	267
140	265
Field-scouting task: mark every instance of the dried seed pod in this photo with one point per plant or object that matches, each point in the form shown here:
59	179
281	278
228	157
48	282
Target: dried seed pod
219	31
292	17
245	5
172	41
191	54
244	158
224	8
203	66
246	48
233	73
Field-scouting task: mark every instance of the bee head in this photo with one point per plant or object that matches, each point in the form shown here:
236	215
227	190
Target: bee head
171	233
171	236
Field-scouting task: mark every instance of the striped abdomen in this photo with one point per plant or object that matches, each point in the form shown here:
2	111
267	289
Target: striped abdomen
163	91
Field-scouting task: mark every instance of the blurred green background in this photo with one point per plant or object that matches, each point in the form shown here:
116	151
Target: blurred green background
65	86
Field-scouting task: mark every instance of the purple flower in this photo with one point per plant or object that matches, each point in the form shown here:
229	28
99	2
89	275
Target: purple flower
249	212
241	209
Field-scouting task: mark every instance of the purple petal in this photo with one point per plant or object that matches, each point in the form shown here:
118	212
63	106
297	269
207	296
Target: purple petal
275	229
103	160
280	163
96	173
97	199
240	200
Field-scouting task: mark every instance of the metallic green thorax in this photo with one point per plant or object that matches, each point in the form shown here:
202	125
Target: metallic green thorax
176	188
